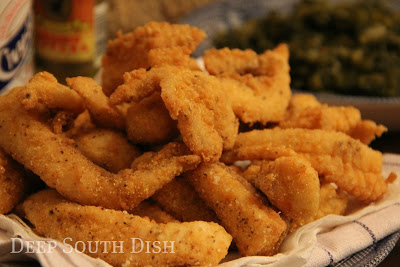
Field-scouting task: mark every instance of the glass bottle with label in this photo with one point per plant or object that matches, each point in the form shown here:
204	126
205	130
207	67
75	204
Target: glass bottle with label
15	43
70	36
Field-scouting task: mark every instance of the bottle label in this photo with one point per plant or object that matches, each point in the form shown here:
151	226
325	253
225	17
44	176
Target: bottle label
65	30
15	45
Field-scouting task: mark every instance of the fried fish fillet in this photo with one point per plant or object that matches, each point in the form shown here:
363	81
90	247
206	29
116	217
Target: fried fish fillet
13	184
256	228
60	165
291	185
150	209
338	158
196	100
107	148
259	85
170	244
43	92
331	201
148	121
180	199
131	51
306	112
102	113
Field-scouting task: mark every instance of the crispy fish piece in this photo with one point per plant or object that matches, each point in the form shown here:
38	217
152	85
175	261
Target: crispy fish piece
259	85
107	148
193	98
170	244
180	199
43	92
331	201
256	228
13	184
291	185
306	112
148	121
338	158
102	113
60	165
131	51
148	208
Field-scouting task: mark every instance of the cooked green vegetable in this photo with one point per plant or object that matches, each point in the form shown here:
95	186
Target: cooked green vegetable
348	48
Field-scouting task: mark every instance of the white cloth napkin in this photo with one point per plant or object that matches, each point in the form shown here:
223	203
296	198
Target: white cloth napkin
320	243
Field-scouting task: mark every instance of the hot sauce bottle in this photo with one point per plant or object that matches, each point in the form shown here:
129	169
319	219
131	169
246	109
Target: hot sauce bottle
69	38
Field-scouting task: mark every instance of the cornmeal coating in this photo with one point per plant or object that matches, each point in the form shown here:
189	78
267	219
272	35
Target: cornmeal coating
131	51
338	158
306	112
148	208
107	148
101	112
291	185
148	121
27	138
258	85
256	228
196	100
188	244
13	184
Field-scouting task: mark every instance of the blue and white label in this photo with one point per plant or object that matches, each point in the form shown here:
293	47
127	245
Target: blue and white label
15	53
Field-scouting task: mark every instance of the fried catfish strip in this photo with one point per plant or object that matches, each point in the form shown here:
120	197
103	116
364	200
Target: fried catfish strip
291	185
193	98
107	148
331	201
147	208
148	121
13	184
259	85
131	51
102	113
172	244
61	166
175	56
256	228
306	112
337	157
44	92
180	199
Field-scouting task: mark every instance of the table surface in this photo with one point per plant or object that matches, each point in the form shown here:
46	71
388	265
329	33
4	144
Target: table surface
389	143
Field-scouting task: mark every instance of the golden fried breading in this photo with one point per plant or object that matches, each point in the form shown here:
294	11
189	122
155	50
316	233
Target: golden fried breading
337	157
148	208
306	112
81	124
130	51
170	244
291	185
331	201
193	98
63	119
176	56
180	199
61	166
102	113
148	121
366	131
256	228
107	148
259	85
13	184
43	92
